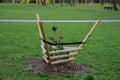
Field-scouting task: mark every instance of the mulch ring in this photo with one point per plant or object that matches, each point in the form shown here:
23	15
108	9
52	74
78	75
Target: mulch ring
71	68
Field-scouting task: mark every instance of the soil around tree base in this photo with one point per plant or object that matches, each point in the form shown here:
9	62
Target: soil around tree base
71	68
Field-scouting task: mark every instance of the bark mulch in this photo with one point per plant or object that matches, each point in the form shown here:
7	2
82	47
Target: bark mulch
71	68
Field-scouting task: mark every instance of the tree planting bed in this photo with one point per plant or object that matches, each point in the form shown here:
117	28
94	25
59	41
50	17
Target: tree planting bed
71	68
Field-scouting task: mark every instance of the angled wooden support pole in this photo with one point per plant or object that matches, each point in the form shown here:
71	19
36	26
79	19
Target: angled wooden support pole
90	32
42	36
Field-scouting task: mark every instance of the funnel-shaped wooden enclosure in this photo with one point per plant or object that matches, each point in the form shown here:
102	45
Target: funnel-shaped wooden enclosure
58	57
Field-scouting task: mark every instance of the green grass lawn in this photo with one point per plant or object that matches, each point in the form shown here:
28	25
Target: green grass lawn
19	42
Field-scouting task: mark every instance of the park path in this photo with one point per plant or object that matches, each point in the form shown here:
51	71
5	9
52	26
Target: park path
77	21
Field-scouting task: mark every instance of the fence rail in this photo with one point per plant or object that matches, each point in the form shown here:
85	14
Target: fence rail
77	21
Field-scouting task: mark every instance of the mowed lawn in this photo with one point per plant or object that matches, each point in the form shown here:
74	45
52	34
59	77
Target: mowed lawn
19	42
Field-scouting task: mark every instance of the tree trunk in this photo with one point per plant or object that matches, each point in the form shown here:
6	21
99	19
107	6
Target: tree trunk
67	2
114	5
87	1
72	3
102	2
52	2
61	2
43	2
13	1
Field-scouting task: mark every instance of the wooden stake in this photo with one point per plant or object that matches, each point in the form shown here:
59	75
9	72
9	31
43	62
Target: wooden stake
62	61
42	35
62	51
90	32
64	55
45	60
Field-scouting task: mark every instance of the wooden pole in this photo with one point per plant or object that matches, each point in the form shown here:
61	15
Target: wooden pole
90	32
65	55
62	51
42	35
62	61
